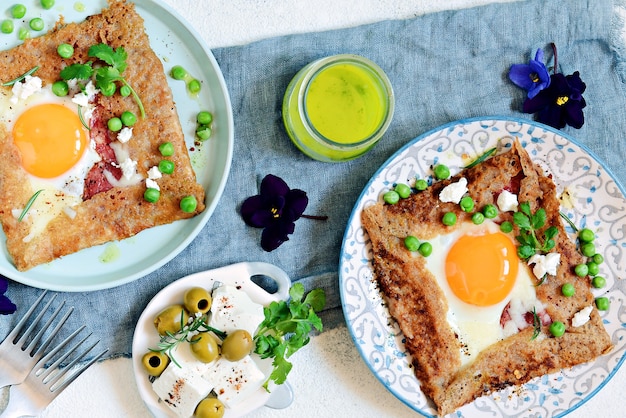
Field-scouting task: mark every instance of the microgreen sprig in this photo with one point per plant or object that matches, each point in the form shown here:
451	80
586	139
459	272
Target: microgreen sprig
482	158
536	325
286	329
529	223
22	77
170	341
106	76
28	205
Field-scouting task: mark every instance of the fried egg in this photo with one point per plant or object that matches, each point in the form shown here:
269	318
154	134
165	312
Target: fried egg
480	273
55	148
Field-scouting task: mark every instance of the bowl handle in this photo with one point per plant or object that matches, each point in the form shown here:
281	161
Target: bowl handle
283	282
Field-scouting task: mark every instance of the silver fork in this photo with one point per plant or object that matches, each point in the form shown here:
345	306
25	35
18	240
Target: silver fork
43	384
18	356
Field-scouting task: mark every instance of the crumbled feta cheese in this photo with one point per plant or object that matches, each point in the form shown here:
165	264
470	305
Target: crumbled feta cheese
25	88
91	90
453	192
582	317
233	309
234	381
545	264
151	184
154	173
129	168
507	201
125	134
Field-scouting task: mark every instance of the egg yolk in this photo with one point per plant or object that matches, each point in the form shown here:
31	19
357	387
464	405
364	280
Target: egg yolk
481	269
50	138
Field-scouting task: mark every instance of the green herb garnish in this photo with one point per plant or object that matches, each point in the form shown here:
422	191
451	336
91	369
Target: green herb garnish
286	329
106	76
82	118
170	341
569	221
28	205
22	77
482	158
536	325
529	223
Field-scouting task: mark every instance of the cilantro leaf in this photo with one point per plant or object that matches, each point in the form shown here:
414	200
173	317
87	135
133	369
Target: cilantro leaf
77	71
529	224
115	58
286	328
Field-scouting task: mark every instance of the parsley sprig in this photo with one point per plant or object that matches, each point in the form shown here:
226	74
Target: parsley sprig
107	75
529	226
170	340
286	328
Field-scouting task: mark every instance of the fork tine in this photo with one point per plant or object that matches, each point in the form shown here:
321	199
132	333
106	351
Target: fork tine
31	346
11	338
57	362
56	329
31	327
54	379
58	389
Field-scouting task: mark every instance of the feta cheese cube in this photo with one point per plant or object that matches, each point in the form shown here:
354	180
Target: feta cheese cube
232	309
582	317
453	192
545	264
234	381
507	201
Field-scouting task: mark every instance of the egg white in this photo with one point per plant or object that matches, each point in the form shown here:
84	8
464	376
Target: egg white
59	194
478	327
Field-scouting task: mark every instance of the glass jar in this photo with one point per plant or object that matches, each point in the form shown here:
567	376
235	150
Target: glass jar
337	108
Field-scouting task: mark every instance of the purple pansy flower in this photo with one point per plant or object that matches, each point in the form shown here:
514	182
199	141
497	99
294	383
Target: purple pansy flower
275	208
560	104
6	306
532	77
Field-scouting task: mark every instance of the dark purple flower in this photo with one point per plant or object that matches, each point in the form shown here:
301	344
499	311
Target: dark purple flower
275	208
532	77
6	306
561	104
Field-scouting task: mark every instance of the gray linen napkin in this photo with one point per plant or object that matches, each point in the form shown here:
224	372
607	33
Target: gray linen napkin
444	66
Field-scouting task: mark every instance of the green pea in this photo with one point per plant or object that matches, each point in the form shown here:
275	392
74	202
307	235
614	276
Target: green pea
60	88
557	328
114	124
18	11
178	73
204	117
188	204
36	23
588	249
65	50
6	26
47	4
166	166
593	268
108	89
581	270
194	86
598	282
125	91
466	204
425	249
166	149
602	303
151	195
128	118
203	132
23	34
421	184
478	218
506	227
403	190
391	197
441	171
411	243
449	218
568	290
586	235
490	211
597	258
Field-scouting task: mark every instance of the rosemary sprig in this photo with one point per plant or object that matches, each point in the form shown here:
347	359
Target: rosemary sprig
569	221
170	341
536	325
28	205
20	78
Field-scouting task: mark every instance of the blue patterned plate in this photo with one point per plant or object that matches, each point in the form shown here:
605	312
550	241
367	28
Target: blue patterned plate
590	196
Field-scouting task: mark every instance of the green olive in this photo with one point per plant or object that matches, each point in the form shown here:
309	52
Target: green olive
204	347
169	319
237	345
197	299
209	408
155	363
